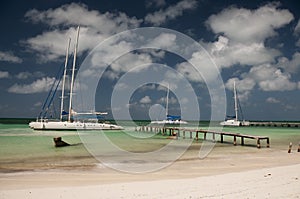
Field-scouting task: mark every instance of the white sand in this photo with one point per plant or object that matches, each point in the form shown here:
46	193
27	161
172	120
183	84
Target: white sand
277	182
242	172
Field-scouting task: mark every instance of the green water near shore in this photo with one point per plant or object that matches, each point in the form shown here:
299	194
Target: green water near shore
22	148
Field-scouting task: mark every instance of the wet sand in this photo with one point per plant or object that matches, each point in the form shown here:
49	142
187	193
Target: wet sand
227	172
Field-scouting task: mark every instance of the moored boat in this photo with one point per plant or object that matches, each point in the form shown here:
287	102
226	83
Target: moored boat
234	120
72	122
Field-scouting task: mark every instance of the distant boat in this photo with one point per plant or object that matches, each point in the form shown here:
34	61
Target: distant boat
43	123
234	120
170	119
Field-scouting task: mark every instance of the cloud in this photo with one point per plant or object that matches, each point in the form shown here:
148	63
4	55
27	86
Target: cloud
9	57
270	78
121	86
123	64
95	27
120	54
297	32
155	3
130	61
267	77
164	40
26	75
148	87
241	85
272	100
145	100
171	100
78	14
23	75
242	34
38	104
49	46
38	86
199	68
291	66
227	53
297	28
249	26
163	15
298	43
189	71
4	74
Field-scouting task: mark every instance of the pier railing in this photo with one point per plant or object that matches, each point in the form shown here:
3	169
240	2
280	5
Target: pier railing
276	124
176	133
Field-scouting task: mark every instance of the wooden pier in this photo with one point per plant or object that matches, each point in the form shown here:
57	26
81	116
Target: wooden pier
276	124
176	132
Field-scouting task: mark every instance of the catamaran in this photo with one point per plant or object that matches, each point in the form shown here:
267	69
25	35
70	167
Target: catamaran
170	119
43	123
234	120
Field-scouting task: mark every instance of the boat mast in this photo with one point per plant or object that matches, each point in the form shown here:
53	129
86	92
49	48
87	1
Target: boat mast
73	72
235	102
64	80
167	101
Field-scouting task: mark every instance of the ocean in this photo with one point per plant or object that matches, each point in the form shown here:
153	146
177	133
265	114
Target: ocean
23	149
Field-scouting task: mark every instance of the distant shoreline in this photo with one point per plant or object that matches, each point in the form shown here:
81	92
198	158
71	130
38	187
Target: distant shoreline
27	120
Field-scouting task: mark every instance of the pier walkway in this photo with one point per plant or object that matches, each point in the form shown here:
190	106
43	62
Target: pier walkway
176	132
276	124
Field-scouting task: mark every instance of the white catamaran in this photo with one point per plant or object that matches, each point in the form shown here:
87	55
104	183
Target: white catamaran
170	119
92	124
234	121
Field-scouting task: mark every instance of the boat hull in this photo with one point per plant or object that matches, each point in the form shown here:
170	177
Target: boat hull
235	123
67	126
169	122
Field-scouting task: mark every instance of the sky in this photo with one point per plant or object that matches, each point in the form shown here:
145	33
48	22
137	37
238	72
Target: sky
255	44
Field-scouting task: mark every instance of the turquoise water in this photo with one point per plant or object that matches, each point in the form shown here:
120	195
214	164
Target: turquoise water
22	148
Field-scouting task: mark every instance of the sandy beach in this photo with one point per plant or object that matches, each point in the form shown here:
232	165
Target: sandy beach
277	182
249	173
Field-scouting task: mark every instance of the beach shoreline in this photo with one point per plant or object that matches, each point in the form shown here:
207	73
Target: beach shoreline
32	167
233	172
274	182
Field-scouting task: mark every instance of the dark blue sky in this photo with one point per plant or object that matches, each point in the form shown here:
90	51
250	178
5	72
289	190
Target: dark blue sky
254	43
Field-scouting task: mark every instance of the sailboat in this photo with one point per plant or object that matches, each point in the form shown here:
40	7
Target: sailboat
43	123
170	119
234	120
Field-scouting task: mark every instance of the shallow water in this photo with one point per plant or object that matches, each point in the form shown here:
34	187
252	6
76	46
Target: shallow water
22	148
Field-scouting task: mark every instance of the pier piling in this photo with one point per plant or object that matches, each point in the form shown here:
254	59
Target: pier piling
290	147
176	132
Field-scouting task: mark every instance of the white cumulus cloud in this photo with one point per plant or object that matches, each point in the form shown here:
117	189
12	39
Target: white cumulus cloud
291	66
297	28
248	26
96	26
145	100
74	14
270	78
4	74
40	85
159	17
155	3
267	77
26	75
9	57
227	53
242	34
272	100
